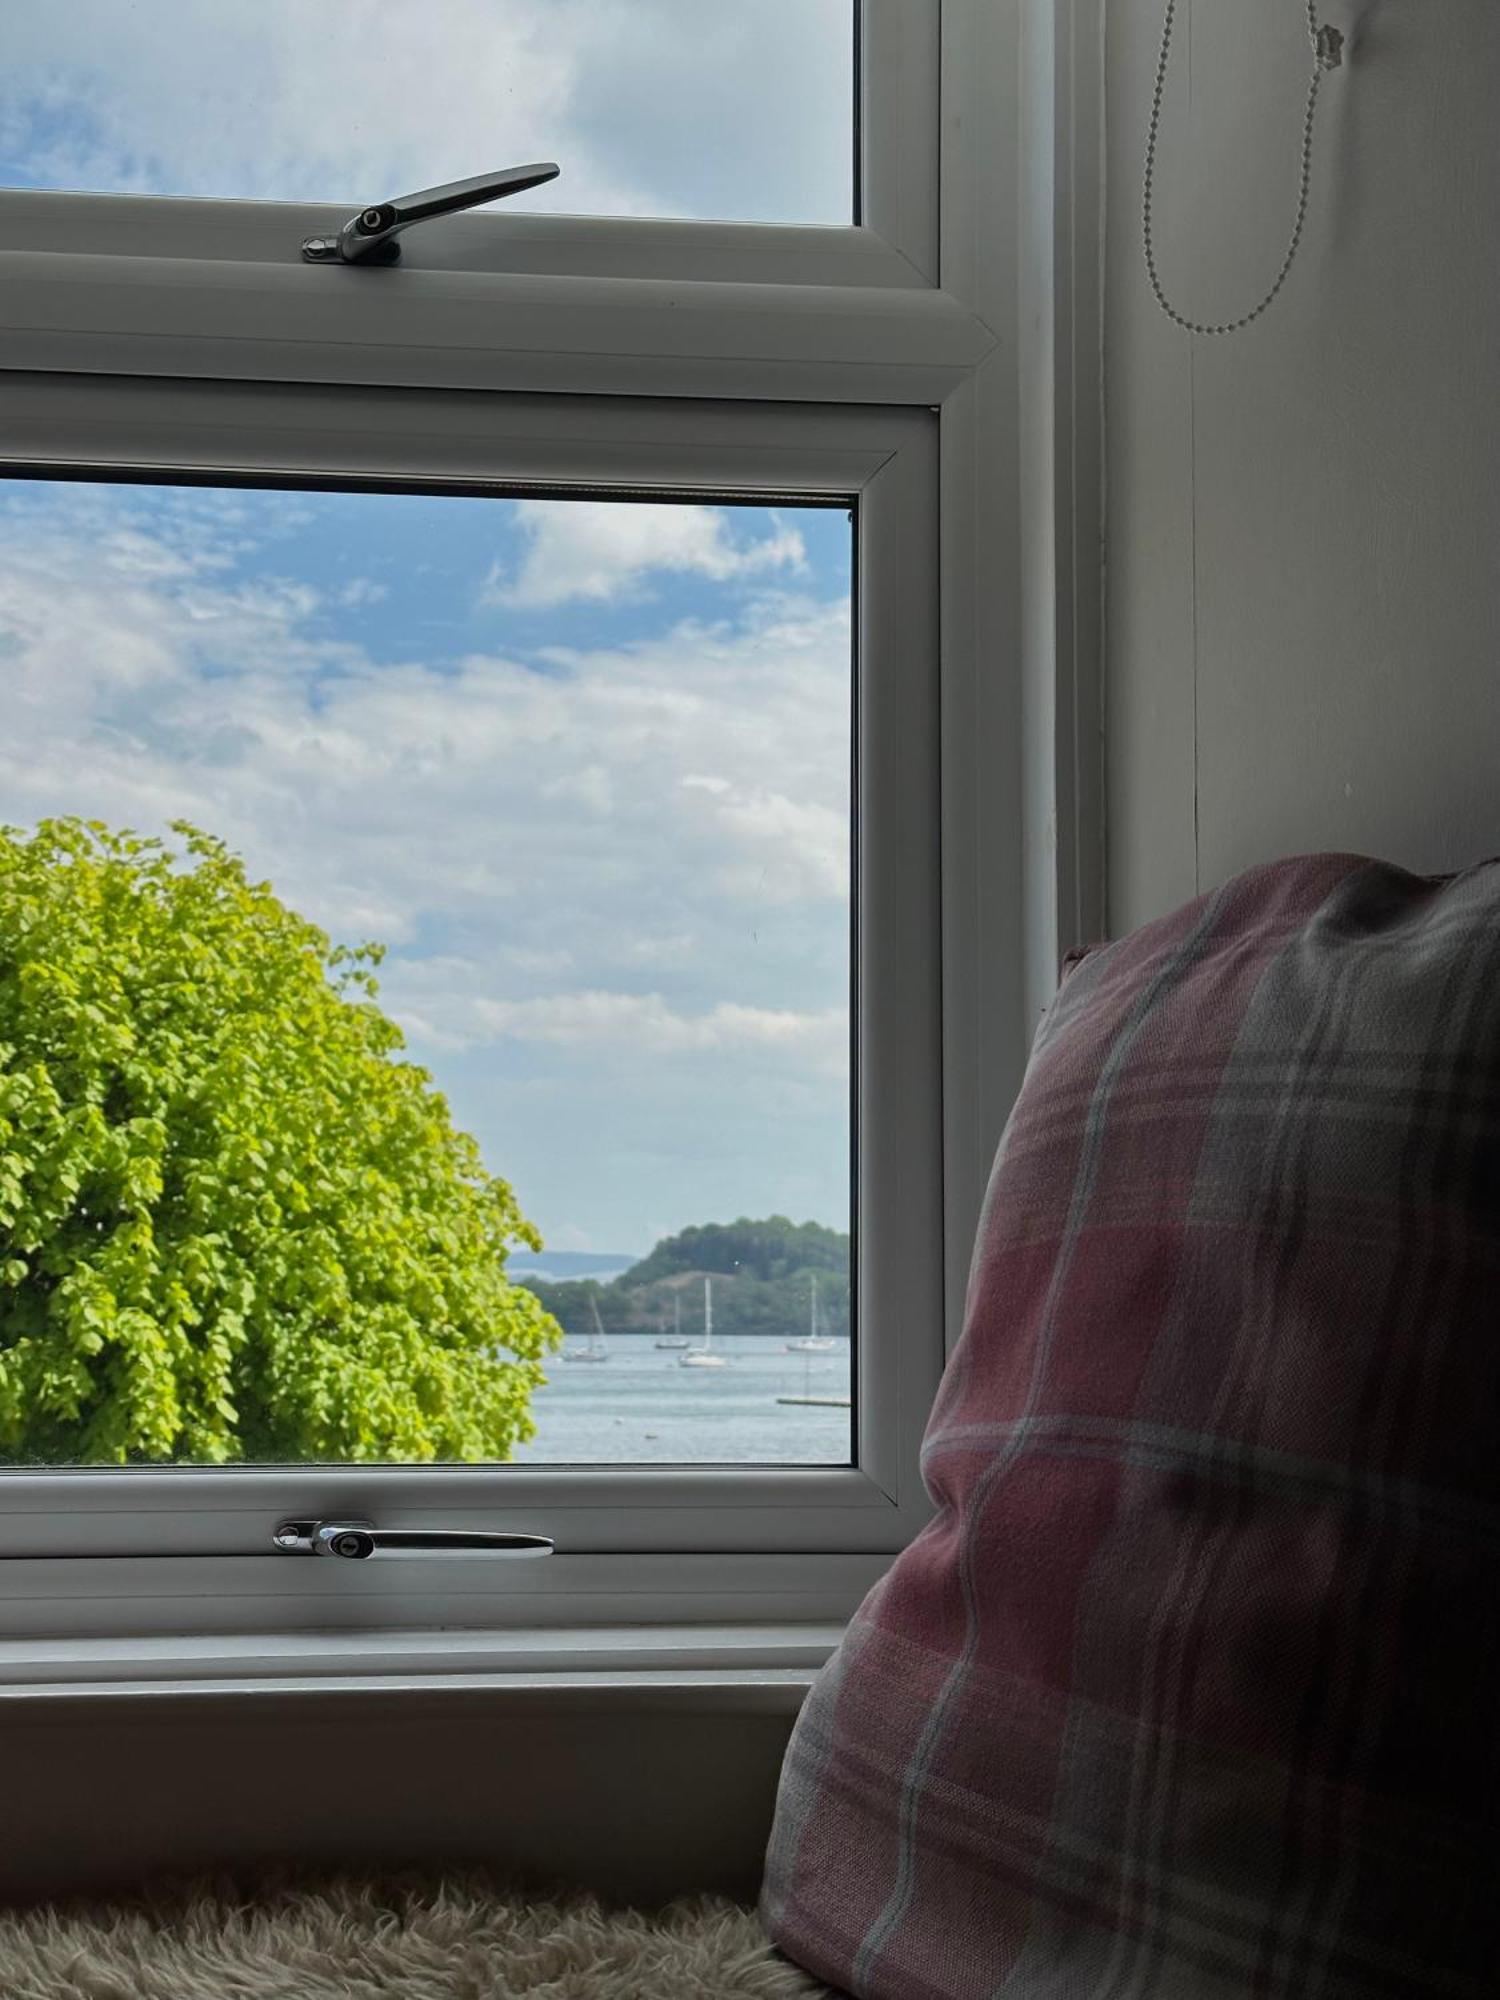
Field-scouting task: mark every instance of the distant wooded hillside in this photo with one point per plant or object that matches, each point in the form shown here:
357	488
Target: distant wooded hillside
763	1275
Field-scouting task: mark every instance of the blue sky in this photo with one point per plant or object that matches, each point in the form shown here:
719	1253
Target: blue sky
735	109
582	766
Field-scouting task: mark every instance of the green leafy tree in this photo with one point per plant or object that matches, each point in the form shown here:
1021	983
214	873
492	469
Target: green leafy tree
233	1222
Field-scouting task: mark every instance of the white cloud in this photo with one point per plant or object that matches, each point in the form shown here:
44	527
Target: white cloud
704	766
788	848
603	550
630	864
643	1023
659	106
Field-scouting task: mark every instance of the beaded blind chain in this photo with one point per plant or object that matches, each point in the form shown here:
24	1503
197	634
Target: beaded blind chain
1328	54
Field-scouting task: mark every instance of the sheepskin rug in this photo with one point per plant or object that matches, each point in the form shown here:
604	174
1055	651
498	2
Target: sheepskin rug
458	1940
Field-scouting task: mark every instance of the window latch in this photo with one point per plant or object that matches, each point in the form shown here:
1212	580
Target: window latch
357	1541
372	236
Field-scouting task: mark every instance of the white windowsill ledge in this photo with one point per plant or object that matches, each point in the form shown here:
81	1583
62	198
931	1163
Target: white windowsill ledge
767	1668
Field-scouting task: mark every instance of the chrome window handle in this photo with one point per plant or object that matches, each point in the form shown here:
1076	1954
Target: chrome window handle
371	236
357	1541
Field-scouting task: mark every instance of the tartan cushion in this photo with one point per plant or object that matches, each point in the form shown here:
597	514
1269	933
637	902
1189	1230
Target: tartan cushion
1190	1691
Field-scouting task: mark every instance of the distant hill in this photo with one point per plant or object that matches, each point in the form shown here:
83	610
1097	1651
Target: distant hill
763	1273
773	1249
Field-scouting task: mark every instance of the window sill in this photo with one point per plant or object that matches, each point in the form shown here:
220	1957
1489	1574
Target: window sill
763	1668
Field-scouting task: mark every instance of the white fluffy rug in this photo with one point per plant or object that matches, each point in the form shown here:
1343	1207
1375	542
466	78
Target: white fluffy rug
356	1941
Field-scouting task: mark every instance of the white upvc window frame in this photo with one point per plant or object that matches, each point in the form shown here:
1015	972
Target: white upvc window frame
882	365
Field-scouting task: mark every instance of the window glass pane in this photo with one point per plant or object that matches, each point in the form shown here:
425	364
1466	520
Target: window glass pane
582	770
651	107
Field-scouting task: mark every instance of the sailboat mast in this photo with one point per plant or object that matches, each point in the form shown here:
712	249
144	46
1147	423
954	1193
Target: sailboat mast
708	1314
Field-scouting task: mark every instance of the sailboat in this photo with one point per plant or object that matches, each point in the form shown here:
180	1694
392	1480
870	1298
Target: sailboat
676	1338
812	1342
593	1348
704	1357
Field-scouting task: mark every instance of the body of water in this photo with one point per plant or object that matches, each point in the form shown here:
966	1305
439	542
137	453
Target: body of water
640	1407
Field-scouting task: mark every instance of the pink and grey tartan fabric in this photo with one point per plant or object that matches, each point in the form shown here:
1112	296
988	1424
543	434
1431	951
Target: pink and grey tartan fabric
1191	1689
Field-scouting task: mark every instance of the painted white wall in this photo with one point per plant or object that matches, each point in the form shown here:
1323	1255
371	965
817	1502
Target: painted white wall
1303	600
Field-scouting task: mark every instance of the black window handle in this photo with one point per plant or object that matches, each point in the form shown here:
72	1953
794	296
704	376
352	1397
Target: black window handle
357	1541
372	236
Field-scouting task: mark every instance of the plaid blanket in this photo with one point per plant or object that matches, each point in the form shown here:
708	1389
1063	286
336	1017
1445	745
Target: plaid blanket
1191	1689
